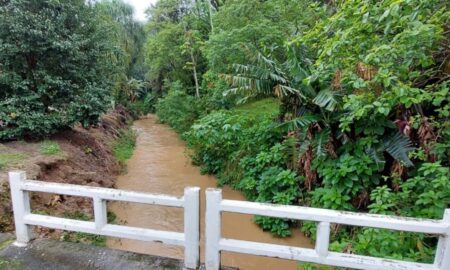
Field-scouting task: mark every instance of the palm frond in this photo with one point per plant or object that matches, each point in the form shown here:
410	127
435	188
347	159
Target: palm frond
286	89
327	99
377	155
319	142
342	137
291	151
398	146
300	122
264	76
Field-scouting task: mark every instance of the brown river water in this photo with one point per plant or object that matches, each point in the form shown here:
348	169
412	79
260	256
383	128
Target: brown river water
160	164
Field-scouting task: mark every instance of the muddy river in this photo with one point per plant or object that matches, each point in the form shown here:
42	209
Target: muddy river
160	165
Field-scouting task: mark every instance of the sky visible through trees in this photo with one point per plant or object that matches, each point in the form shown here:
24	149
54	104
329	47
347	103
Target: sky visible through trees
139	8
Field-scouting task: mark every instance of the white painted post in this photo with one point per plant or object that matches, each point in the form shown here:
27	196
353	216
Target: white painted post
323	239
442	258
21	207
213	228
100	213
192	227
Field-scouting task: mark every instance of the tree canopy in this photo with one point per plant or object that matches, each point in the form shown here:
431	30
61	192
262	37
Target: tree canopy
363	120
60	61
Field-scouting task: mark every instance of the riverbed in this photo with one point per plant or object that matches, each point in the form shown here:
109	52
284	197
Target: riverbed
160	164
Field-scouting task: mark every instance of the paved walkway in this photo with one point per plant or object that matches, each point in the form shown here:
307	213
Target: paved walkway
56	255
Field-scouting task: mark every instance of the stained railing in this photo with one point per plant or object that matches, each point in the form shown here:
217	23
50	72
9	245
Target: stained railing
215	244
24	218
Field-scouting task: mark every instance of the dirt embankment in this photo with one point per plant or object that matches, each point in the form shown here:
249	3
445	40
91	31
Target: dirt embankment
85	158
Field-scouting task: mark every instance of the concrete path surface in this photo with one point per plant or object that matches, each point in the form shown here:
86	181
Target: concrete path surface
45	254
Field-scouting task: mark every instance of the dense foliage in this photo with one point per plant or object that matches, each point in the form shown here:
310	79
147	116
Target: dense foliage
60	62
363	123
128	36
178	109
331	104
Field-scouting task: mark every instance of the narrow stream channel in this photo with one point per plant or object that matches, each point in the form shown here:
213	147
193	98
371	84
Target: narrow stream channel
160	165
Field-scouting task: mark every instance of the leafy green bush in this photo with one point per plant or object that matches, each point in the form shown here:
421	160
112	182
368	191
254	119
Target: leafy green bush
143	106
213	88
177	108
242	150
59	74
352	173
214	139
224	136
425	195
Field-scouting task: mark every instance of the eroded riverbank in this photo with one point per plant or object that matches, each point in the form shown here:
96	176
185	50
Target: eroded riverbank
160	165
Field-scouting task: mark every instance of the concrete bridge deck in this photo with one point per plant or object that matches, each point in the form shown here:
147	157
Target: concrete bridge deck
57	255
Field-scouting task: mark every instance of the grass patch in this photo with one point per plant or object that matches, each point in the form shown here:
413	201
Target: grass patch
8	264
6	243
124	146
49	148
9	159
86	238
267	106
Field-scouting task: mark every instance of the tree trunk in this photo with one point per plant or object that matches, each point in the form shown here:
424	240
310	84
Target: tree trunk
194	67
210	16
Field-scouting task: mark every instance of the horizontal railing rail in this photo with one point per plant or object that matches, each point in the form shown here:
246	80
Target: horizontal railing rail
24	218
215	244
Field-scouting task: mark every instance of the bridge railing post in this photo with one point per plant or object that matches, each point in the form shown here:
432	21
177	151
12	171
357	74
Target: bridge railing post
323	239
442	259
100	213
21	206
192	227
213	228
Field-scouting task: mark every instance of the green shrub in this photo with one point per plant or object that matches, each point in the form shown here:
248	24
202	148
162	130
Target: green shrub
224	136
242	147
124	146
178	109
58	74
143	106
212	96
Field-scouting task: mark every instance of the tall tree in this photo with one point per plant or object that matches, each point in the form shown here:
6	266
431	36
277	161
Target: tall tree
55	66
176	29
128	36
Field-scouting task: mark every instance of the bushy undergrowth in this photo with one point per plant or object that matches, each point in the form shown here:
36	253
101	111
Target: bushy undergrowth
178	109
142	106
246	149
363	122
242	148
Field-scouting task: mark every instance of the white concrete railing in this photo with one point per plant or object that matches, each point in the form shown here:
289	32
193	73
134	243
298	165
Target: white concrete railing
321	254
23	218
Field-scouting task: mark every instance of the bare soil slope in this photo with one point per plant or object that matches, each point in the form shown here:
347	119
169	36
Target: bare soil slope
86	159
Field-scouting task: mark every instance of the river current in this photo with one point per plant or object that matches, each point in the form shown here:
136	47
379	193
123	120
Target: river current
160	164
